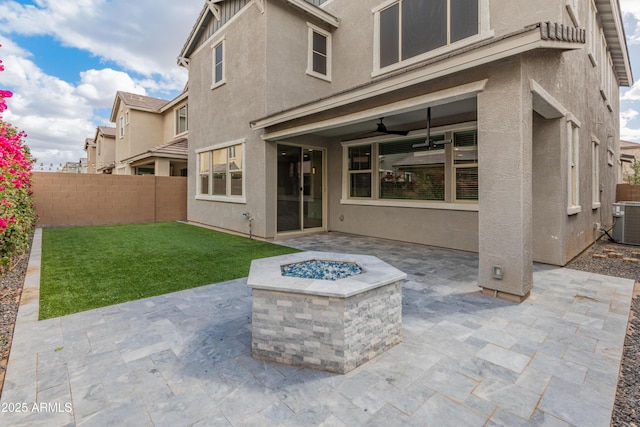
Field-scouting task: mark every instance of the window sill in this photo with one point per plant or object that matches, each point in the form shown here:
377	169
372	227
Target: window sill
596	205
181	134
224	199
573	210
431	54
217	85
471	207
326	78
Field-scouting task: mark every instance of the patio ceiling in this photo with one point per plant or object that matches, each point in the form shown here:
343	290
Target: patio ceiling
453	112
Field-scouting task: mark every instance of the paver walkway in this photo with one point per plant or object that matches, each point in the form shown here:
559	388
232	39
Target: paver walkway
466	359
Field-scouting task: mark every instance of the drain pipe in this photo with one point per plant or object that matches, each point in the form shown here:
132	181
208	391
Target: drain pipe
248	216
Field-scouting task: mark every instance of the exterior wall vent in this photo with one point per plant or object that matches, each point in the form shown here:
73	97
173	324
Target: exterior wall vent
627	227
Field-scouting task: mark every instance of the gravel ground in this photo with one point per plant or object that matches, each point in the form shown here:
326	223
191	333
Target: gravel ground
626	411
10	289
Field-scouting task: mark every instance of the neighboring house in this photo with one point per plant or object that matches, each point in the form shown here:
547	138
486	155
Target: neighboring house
629	153
75	167
151	135
90	149
520	100
105	141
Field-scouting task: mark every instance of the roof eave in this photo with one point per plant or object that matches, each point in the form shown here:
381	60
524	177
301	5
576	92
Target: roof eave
613	28
316	12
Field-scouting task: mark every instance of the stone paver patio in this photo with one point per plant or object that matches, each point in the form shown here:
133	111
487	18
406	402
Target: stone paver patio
465	360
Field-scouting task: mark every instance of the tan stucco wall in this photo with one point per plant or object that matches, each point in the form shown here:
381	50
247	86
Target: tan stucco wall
143	131
82	199
91	159
223	114
105	151
169	122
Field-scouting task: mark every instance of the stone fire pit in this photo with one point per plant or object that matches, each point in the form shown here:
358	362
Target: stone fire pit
330	323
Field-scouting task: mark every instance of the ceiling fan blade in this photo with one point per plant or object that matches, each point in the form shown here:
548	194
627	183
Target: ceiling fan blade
383	129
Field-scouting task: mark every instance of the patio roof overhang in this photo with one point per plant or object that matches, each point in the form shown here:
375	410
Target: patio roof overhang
286	124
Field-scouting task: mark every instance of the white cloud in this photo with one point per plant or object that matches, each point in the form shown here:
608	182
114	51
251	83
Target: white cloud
100	86
143	37
632	94
631	8
629	131
55	118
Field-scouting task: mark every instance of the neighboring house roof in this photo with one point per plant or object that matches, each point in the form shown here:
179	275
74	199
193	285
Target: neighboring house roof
213	9
107	167
107	131
177	149
89	142
138	102
629	145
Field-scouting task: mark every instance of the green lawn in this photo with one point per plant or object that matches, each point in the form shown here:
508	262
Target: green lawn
89	267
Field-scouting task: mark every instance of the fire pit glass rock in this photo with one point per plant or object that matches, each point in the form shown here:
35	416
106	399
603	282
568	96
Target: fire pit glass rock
323	270
320	320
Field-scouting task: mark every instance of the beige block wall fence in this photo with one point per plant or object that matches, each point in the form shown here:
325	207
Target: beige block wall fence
628	193
84	199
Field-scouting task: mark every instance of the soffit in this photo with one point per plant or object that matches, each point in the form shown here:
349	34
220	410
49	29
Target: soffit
613	28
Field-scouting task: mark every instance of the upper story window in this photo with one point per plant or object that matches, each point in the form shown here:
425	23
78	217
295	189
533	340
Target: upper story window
218	65
319	57
181	120
408	28
121	126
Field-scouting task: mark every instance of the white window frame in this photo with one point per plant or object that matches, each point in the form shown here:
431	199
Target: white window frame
573	165
455	167
122	124
484	32
594	32
186	119
449	203
327	35
223	78
595	173
611	155
574	13
219	198
606	67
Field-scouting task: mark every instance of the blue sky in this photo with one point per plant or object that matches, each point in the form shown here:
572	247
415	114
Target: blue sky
65	59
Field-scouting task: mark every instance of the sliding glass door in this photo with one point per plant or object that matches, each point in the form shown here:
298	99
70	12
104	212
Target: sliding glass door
300	188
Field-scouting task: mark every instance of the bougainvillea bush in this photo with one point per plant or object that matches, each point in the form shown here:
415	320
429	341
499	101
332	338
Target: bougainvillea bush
17	214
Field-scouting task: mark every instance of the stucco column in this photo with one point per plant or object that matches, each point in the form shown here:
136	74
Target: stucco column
162	167
505	200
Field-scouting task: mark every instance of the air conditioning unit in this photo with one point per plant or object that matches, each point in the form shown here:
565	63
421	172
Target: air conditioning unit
627	227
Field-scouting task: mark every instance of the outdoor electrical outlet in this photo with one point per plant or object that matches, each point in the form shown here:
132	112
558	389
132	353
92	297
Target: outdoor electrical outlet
497	272
596	226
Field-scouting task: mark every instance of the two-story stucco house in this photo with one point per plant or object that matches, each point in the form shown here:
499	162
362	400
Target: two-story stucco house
91	150
478	125
101	157
151	135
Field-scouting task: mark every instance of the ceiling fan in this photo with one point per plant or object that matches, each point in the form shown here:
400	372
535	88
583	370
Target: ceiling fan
383	129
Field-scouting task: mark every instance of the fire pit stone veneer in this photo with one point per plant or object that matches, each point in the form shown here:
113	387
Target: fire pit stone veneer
331	325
